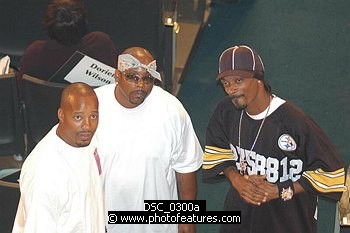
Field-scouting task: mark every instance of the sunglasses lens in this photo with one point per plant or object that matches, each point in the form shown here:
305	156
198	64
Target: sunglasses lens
135	78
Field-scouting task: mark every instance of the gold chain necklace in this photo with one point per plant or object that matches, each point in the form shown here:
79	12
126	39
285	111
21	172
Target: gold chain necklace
242	161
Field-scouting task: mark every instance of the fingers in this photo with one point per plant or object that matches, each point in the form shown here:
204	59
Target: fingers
257	179
270	189
254	196
257	190
251	192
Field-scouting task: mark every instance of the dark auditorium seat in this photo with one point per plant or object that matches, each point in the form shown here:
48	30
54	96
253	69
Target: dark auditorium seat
11	121
41	101
11	143
9	198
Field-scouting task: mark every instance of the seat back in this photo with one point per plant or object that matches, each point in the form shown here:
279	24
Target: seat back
9	199
41	101
11	127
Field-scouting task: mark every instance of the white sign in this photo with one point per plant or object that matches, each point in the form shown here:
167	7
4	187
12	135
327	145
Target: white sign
92	72
82	68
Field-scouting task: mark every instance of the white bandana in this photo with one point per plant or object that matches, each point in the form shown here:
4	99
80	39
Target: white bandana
127	61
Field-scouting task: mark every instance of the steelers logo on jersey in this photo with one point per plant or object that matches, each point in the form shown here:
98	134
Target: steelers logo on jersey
287	143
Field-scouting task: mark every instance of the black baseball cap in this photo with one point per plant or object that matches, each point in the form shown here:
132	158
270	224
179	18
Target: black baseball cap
240	61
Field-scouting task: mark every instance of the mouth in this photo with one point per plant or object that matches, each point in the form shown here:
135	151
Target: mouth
239	101
235	97
139	94
85	136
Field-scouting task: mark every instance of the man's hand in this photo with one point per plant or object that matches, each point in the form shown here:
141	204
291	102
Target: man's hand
271	190
248	187
255	189
187	228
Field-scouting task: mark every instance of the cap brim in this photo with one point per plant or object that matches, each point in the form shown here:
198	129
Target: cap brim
240	73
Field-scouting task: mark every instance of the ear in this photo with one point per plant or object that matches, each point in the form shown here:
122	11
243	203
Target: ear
60	114
117	75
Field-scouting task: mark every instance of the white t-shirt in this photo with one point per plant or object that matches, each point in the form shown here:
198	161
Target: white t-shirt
61	189
141	148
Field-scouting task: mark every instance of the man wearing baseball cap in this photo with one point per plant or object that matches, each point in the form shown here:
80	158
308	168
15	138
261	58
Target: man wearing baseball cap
277	159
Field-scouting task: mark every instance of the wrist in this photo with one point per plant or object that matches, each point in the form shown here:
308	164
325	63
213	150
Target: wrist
232	175
286	190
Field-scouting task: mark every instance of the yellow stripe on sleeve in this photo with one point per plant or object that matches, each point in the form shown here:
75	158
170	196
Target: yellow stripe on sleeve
214	156
326	182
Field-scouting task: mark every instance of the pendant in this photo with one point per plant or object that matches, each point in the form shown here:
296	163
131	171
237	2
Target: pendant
243	166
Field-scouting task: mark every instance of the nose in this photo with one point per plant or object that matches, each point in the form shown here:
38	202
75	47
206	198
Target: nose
86	124
231	89
140	83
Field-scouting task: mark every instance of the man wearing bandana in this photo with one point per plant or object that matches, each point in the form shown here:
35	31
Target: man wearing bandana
149	149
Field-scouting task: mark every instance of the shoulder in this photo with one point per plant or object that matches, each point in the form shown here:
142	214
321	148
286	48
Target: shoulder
45	153
105	90
166	104
42	165
225	103
289	111
163	98
105	96
100	46
225	107
296	118
158	91
36	47
37	44
97	36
